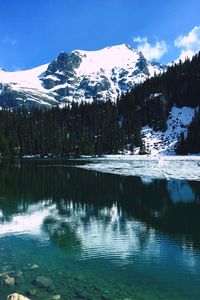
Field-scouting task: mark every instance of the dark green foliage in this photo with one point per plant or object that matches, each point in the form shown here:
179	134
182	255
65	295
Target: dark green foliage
80	129
181	146
191	144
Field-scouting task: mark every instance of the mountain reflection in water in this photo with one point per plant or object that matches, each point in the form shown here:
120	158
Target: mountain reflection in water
134	223
59	201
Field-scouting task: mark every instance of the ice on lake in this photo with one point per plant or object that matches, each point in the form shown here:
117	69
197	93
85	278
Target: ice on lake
147	167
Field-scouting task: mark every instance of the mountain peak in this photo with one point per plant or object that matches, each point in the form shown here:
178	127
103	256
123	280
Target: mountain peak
79	76
120	47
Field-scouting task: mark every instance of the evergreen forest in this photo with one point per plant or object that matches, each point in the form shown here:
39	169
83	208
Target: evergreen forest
105	127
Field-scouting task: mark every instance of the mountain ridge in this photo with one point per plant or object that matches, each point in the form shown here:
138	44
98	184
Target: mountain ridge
77	76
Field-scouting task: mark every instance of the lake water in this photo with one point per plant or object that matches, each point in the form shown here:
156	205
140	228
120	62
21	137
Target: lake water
98	236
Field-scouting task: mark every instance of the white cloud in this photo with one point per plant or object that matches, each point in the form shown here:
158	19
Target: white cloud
186	54
140	39
191	41
151	51
9	41
189	44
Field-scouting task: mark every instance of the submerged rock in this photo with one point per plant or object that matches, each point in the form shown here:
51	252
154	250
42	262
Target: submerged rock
16	296
56	297
18	273
34	267
43	282
7	280
31	292
10	281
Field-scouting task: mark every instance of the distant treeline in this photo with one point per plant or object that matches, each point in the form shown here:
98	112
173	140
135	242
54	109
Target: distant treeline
106	127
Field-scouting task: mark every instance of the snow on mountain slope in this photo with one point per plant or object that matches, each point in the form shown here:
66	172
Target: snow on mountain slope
121	56
77	76
101	75
25	88
159	142
27	79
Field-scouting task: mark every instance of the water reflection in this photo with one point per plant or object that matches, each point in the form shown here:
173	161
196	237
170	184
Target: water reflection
29	222
147	227
180	191
76	207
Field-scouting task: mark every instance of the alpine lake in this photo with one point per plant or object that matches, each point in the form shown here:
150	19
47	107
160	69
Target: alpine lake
88	235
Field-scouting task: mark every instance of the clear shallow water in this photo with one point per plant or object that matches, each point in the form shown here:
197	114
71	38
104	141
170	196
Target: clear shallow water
98	236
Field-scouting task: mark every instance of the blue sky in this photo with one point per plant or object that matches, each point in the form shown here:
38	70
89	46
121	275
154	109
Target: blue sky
34	32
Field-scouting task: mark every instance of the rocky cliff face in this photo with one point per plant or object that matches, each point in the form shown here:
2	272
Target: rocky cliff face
77	76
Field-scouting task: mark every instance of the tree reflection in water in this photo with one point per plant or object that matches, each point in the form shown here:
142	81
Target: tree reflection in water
87	200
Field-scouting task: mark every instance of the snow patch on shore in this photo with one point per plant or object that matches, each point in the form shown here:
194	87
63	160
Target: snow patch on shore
158	142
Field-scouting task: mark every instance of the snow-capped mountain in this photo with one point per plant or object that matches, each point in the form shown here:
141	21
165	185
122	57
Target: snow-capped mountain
77	76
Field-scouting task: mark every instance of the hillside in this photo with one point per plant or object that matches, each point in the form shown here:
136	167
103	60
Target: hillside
163	107
158	116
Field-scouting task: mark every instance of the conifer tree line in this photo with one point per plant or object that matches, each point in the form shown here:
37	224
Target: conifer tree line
79	129
191	142
150	103
105	127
